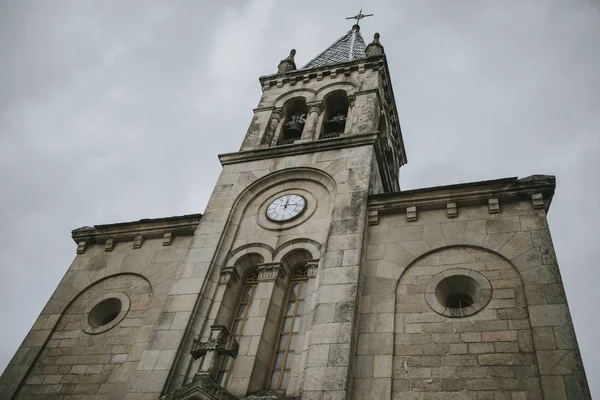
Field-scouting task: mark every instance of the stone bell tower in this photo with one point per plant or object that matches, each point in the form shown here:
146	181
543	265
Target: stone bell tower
292	208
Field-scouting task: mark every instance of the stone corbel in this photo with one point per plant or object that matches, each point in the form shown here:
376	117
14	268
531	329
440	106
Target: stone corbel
411	214
493	206
82	246
312	268
219	341
109	245
138	241
167	239
228	276
452	210
373	217
537	200
270	272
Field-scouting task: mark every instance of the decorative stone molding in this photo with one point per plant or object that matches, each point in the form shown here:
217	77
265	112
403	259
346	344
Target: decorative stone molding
203	387
228	275
315	107
127	231
310	147
452	210
219	341
312	268
269	272
81	246
537	199
138	241
493	206
373	217
472	193
109	245
411	214
312	246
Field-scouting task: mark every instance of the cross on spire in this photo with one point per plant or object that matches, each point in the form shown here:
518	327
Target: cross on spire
360	16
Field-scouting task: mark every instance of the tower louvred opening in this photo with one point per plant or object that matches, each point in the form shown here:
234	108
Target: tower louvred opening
336	113
295	117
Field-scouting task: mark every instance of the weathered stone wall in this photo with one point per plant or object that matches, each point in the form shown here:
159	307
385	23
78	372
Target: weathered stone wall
491	350
58	359
75	363
520	345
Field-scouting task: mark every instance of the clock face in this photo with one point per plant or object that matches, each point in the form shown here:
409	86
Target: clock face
286	207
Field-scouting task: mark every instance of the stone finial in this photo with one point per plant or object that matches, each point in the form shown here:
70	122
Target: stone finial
287	64
374	48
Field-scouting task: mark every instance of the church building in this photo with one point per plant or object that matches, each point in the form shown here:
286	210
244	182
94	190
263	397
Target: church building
311	275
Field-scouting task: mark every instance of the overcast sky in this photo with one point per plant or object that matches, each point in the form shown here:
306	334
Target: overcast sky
116	110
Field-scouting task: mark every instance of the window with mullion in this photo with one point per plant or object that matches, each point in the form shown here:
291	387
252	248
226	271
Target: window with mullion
288	334
237	327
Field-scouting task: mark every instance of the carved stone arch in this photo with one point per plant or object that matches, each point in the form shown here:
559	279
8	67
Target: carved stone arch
308	94
69	302
349	87
276	178
402	268
309	245
238	208
264	250
420	309
77	309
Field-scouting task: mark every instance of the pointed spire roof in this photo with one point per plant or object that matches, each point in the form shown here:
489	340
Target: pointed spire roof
349	47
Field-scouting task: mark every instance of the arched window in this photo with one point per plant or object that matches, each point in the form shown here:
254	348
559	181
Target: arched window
336	112
237	326
295	111
288	331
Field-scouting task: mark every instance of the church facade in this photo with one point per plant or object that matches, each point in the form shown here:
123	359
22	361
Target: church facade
311	275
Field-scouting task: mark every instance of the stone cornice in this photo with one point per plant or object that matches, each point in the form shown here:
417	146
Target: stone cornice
325	69
298	148
473	193
376	63
147	228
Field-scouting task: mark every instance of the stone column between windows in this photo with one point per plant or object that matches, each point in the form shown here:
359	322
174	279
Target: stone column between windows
299	366
349	114
228	283
270	133
260	331
310	127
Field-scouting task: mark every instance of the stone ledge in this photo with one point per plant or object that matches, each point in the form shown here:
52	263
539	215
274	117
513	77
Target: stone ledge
466	194
301	148
184	225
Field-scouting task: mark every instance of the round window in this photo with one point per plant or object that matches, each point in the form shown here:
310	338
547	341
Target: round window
458	293
105	313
